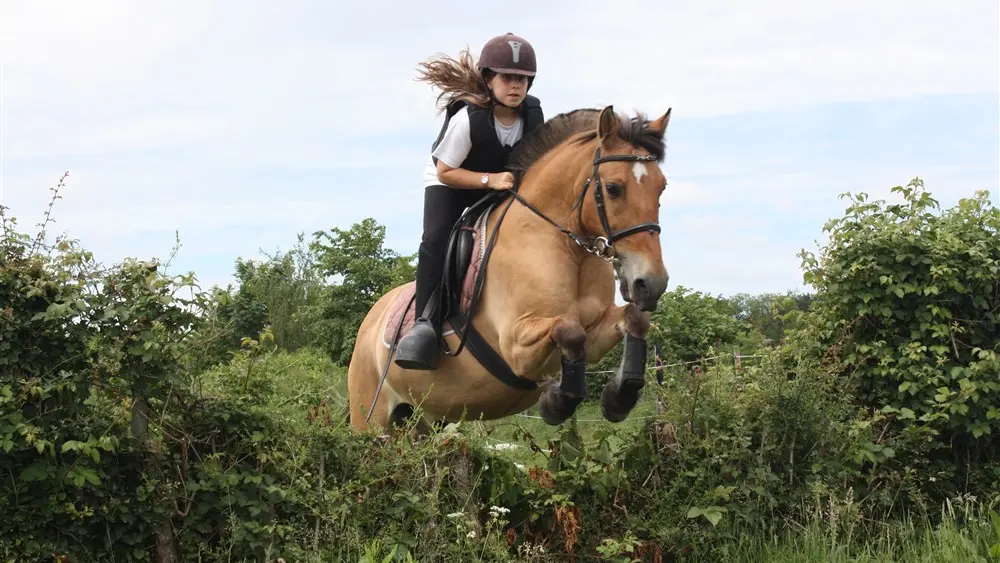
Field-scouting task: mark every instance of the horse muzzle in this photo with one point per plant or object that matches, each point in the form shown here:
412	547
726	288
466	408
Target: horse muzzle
642	285
646	291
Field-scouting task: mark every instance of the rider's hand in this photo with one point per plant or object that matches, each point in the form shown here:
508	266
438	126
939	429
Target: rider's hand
501	181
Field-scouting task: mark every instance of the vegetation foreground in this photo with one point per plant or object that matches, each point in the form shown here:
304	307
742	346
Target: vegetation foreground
144	419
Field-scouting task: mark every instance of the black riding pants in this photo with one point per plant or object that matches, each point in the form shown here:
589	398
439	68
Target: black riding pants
442	208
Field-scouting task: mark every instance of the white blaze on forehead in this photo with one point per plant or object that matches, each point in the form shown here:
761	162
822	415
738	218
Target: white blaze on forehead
639	170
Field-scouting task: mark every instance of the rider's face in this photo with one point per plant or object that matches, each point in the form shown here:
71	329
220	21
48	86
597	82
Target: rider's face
509	88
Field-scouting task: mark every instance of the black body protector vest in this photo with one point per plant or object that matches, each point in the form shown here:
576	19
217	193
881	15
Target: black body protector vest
487	154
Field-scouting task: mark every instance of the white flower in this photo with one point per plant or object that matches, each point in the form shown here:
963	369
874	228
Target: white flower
454	515
496	511
471	534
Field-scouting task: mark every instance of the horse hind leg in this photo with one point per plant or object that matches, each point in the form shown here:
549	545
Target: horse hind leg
621	394
369	408
559	402
405	418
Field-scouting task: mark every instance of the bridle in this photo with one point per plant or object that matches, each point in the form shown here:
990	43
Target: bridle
601	246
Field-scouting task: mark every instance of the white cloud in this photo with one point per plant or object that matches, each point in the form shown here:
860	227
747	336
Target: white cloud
126	77
93	41
244	75
708	59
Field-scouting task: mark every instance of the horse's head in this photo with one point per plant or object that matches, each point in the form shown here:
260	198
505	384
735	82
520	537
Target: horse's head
615	184
623	210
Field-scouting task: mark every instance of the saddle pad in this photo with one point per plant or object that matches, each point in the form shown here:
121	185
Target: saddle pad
475	261
402	307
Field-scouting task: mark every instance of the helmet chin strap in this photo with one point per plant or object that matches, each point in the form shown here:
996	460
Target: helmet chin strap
515	108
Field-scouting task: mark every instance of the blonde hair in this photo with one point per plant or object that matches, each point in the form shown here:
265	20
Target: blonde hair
458	79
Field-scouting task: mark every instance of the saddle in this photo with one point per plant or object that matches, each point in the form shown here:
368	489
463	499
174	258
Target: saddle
465	259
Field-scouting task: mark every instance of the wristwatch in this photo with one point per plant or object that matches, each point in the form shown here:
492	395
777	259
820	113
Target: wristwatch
485	179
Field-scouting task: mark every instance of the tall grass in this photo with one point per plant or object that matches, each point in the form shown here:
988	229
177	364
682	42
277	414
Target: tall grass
968	532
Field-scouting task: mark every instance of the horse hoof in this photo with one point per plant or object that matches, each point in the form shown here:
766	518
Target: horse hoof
556	406
617	401
551	419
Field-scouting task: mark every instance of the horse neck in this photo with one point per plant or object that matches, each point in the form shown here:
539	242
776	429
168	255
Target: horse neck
554	192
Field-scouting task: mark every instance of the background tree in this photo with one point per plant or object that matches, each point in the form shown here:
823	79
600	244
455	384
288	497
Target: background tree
360	270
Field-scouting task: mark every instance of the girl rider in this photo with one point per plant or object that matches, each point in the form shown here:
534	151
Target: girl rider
488	112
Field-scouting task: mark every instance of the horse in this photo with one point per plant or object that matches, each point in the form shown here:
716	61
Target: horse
529	286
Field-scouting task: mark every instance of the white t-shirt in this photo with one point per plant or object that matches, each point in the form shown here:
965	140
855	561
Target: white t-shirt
457	142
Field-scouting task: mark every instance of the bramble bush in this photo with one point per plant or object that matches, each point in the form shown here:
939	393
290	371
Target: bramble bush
86	354
908	309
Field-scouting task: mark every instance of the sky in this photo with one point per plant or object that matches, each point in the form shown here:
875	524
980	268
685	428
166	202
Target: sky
238	125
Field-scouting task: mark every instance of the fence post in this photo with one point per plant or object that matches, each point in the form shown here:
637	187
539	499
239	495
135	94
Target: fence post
658	363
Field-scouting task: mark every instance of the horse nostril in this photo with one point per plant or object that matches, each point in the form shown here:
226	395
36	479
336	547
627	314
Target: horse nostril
640	285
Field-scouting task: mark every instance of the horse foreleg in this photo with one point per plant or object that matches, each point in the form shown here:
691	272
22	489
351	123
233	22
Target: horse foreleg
530	348
621	394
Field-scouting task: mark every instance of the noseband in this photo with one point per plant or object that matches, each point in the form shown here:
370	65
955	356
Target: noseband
602	246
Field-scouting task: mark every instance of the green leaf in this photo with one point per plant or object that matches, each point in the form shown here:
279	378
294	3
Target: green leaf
711	513
71	446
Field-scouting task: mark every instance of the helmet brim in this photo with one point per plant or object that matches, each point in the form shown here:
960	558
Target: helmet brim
512	71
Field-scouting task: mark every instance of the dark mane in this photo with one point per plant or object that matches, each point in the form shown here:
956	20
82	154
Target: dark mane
635	131
550	134
565	125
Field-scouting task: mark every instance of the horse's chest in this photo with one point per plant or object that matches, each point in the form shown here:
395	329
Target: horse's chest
591	311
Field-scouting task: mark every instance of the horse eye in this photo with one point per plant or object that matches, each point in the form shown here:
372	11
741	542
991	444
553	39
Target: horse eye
614	190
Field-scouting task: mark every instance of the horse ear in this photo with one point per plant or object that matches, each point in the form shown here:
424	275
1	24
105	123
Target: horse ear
607	124
659	126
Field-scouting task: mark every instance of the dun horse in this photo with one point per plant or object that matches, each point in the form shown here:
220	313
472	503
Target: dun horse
529	289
